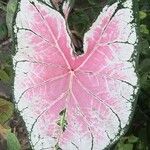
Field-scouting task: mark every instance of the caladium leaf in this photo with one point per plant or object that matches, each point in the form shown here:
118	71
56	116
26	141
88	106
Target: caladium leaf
74	102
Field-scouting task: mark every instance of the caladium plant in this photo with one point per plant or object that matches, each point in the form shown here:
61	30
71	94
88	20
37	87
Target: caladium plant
71	101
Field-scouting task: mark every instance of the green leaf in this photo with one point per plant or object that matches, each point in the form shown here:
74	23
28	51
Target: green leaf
79	21
142	15
126	143
142	146
145	47
145	66
6	111
122	146
11	9
8	140
2	6
144	29
127	147
57	147
145	81
145	4
143	136
12	142
92	2
3	31
62	122
3	141
132	139
4	76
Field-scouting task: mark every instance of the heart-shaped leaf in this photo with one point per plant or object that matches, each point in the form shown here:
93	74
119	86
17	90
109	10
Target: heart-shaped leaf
69	101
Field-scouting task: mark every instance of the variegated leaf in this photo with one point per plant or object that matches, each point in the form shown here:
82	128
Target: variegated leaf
74	102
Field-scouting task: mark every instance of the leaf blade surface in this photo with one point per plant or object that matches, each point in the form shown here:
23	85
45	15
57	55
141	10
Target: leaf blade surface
95	89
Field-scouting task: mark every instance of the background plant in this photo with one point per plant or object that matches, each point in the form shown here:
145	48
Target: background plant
80	19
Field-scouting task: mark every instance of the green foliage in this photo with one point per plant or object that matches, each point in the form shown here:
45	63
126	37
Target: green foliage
3	30
62	122
11	9
6	111
126	143
8	140
145	48
92	2
144	29
4	76
142	15
5	67
144	69
2	6
57	147
79	24
82	17
12	141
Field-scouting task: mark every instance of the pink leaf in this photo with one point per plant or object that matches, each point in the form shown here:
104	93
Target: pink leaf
74	102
